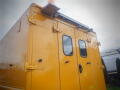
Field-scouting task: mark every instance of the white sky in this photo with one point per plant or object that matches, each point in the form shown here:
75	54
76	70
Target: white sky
101	15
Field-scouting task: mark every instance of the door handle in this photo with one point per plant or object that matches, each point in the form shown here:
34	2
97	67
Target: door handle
80	68
88	63
67	61
31	68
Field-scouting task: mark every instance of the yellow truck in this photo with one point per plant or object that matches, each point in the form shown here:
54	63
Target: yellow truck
47	50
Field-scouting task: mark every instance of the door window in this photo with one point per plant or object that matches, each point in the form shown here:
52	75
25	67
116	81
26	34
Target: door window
82	47
67	45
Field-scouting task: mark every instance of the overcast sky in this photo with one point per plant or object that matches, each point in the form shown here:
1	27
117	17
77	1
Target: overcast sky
101	15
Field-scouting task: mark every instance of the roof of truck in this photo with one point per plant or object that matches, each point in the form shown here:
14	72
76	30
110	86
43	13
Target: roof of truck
52	11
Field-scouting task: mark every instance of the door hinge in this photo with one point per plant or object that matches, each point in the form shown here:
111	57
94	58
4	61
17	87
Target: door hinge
102	67
98	43
88	40
56	30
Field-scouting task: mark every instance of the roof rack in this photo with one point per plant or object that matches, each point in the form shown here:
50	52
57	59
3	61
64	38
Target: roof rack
52	11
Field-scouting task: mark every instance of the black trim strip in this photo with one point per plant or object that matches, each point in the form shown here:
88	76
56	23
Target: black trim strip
74	22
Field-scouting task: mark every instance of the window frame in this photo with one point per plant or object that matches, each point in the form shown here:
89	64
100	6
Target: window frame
85	49
63	45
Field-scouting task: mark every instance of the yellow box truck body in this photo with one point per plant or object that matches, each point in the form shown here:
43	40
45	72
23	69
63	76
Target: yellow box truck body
43	52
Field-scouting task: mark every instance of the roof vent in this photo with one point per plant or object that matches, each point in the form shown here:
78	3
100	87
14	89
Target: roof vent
50	10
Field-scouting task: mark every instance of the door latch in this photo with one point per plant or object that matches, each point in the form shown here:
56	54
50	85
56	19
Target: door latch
88	63
31	68
80	68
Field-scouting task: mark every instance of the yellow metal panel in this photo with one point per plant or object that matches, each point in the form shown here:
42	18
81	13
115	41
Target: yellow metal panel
13	49
68	71
95	56
86	76
45	66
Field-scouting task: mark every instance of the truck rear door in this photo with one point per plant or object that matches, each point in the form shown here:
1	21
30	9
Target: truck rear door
44	67
68	60
85	63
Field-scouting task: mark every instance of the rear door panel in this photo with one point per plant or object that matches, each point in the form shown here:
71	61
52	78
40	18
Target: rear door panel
68	63
45	75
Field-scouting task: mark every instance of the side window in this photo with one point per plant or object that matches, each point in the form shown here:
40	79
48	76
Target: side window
82	47
67	45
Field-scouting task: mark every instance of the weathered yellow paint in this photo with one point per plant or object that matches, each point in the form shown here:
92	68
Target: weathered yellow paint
68	71
32	58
